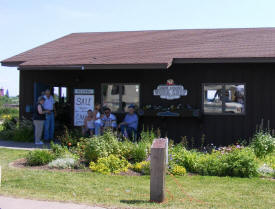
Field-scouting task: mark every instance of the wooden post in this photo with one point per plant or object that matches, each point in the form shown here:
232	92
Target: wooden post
158	170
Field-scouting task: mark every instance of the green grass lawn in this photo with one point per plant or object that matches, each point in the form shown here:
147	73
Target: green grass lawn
133	191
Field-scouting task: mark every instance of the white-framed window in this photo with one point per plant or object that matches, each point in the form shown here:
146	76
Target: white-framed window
223	98
118	96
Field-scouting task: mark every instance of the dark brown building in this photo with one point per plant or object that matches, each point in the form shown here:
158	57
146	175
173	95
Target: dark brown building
224	79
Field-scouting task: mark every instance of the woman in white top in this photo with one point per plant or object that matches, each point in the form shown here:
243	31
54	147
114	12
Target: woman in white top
89	124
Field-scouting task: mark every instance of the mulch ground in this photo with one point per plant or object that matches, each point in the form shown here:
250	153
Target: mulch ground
22	163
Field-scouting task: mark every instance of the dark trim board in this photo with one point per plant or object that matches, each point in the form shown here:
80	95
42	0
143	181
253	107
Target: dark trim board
259	79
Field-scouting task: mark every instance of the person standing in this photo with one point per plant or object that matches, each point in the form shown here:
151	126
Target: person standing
97	119
49	122
130	124
39	119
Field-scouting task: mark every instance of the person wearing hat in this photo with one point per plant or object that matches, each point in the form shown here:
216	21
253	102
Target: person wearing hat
39	119
130	123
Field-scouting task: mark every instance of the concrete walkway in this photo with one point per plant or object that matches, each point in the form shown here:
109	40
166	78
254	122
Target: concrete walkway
21	145
14	203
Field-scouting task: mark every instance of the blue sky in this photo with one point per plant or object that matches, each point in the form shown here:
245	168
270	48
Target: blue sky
25	24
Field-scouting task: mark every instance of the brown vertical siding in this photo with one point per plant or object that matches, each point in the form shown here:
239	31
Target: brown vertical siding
219	129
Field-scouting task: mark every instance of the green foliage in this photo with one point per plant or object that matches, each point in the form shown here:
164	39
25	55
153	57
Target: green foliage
60	151
236	162
107	144
147	136
69	137
110	164
139	152
17	131
270	160
101	146
263	144
39	157
142	167
178	170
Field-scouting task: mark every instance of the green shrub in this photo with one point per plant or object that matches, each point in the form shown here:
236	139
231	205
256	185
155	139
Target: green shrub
39	157
236	162
10	123
142	167
178	170
110	164
12	130
148	136
139	152
263	144
68	137
58	150
8	112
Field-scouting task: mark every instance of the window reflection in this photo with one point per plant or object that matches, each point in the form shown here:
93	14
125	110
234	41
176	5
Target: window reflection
110	94
212	98
119	96
224	98
234	98
130	96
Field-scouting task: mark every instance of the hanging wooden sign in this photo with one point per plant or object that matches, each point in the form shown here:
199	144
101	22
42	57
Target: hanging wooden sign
170	91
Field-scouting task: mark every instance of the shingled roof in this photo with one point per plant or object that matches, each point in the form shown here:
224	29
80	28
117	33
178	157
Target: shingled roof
148	47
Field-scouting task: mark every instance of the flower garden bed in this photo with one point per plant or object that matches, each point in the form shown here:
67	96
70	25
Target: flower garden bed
107	154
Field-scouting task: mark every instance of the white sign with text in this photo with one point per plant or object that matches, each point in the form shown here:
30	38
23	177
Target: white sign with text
82	103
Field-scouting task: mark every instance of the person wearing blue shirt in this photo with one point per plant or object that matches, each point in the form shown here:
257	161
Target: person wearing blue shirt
109	120
129	125
49	122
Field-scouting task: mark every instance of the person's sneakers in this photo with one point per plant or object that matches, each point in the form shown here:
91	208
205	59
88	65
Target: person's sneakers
39	143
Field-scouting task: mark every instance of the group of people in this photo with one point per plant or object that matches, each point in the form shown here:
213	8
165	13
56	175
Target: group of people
43	117
95	123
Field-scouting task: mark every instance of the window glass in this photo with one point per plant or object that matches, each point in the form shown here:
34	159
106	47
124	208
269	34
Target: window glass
56	93
234	98
119	96
212	98
130	95
224	98
64	94
111	96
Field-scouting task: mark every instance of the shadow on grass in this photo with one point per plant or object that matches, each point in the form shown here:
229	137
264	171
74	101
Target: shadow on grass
135	201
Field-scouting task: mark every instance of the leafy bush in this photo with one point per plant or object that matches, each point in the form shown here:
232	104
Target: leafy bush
12	130
178	170
9	123
64	163
139	152
270	160
6	112
263	144
142	167
39	157
110	164
107	144
148	136
58	150
69	137
239	162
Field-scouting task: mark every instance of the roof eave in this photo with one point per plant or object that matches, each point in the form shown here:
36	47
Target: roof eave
96	66
225	60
